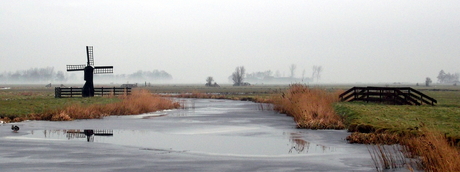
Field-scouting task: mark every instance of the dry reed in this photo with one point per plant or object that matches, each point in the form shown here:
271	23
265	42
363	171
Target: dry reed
387	156
430	151
374	138
311	108
433	152
140	101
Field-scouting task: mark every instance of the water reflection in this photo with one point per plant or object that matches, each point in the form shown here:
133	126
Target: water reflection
76	134
299	145
198	141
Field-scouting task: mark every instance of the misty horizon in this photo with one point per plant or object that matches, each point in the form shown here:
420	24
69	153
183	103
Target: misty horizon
354	41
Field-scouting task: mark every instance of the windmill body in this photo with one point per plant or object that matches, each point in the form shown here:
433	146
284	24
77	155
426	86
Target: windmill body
89	69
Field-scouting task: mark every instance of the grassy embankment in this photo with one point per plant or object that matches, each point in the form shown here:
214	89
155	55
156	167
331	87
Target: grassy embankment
41	105
374	123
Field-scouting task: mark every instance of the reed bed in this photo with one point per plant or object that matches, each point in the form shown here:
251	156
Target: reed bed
140	101
429	151
432	152
310	107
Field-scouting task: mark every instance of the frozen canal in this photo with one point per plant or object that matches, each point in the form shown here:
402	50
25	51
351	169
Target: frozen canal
209	135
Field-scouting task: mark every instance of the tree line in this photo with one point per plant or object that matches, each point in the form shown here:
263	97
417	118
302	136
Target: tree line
239	76
33	75
447	78
48	75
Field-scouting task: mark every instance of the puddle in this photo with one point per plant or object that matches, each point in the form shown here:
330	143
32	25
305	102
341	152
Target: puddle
194	142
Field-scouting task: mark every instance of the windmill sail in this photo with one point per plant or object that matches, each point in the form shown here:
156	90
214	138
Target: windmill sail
89	54
103	69
75	67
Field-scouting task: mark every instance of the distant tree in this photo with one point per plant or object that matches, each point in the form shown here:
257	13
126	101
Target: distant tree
148	75
316	72
428	81
292	69
32	75
441	76
238	76
209	81
254	76
60	76
444	77
277	74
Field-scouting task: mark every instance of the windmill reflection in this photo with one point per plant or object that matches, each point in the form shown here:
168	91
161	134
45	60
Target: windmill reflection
88	133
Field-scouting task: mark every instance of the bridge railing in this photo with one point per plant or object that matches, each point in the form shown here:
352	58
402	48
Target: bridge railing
394	95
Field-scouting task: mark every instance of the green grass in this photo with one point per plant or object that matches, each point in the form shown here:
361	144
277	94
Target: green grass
445	117
19	103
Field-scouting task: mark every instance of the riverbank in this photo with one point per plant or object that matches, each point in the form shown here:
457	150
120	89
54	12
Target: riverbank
430	134
18	106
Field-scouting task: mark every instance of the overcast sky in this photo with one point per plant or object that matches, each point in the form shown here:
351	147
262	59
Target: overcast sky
354	41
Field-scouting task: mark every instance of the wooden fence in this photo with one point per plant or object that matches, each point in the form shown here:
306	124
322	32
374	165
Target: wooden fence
100	91
391	95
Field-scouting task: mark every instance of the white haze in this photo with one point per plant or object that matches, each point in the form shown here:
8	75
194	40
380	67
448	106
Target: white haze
353	41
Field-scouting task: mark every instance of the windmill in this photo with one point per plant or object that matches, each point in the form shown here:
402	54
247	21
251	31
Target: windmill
89	69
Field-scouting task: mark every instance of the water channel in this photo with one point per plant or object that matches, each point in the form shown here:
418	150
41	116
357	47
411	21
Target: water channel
206	135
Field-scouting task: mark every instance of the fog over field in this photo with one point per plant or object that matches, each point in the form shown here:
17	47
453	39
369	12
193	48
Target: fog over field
353	41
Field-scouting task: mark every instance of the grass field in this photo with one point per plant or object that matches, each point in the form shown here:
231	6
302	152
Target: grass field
32	102
444	117
23	101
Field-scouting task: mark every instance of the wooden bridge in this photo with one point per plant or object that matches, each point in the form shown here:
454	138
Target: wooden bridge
101	91
391	95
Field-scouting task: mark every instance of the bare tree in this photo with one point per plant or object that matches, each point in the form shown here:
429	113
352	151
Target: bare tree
316	72
303	74
238	76
209	81
292	68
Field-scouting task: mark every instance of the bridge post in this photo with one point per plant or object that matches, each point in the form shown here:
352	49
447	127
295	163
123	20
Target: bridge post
57	92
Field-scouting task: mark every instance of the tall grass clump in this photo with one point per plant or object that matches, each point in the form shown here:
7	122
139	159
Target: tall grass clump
432	152
310	107
140	101
429	151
